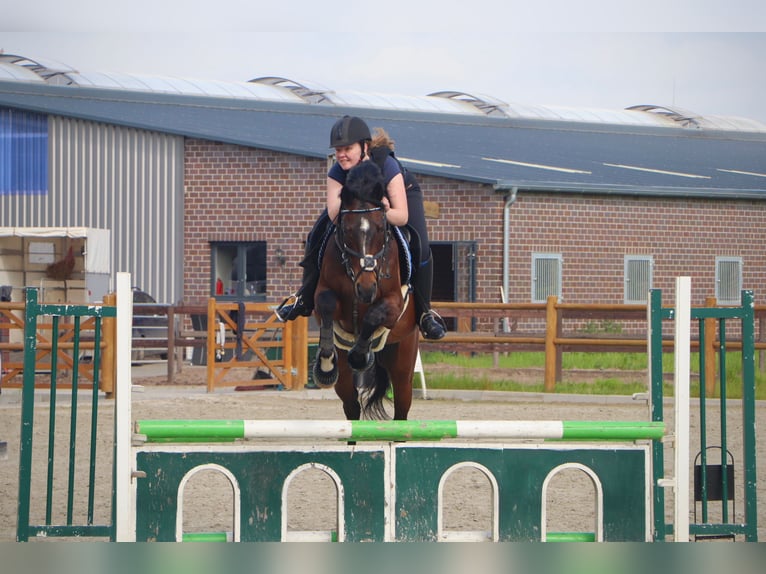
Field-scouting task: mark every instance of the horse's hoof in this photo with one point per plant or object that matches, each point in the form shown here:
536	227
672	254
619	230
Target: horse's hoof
361	362
325	379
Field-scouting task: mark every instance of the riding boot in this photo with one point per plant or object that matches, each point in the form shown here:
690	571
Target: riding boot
431	325
301	303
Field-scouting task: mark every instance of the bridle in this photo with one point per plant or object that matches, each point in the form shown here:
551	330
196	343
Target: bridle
369	263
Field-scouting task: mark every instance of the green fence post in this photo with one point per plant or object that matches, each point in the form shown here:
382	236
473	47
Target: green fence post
655	393
748	414
27	413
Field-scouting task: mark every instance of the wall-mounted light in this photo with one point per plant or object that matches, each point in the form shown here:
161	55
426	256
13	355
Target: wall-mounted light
279	257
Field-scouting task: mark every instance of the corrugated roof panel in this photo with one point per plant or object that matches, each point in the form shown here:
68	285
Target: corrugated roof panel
733	123
13	72
166	84
42	67
402	102
108	80
593	115
257	91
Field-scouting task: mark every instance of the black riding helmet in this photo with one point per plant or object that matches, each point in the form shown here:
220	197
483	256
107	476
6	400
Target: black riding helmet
349	130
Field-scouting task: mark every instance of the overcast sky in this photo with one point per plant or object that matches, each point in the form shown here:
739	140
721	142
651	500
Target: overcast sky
707	56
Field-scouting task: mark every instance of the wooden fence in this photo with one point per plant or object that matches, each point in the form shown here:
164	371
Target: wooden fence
553	328
12	348
567	327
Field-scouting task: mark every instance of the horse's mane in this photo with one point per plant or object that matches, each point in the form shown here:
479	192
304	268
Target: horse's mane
365	183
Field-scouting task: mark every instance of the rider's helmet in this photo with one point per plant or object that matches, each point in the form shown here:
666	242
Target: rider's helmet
349	130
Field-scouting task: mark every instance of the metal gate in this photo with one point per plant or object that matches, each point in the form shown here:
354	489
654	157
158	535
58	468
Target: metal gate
76	516
741	320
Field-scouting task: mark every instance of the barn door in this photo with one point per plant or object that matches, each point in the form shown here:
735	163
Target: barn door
454	274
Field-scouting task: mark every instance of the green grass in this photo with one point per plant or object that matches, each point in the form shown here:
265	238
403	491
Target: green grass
633	381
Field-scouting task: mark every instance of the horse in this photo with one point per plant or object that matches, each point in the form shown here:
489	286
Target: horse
368	333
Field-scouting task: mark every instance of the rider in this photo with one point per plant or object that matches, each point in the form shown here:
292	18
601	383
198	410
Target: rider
353	143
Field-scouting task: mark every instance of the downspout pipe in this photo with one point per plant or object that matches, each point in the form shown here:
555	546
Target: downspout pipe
510	199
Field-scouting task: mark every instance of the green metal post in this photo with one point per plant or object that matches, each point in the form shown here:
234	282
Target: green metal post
723	389
27	414
94	420
52	422
655	392
703	415
73	425
748	408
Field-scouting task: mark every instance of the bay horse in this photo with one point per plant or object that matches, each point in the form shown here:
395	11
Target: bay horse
368	333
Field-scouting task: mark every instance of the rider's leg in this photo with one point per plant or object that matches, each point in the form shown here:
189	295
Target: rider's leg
431	325
301	303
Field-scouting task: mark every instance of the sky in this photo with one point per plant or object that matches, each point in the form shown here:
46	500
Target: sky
705	56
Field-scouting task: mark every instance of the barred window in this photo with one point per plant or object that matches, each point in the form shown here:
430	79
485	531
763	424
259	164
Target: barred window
546	276
728	280
638	278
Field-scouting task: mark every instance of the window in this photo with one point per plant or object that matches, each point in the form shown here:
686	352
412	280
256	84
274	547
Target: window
546	276
23	153
638	278
728	280
238	270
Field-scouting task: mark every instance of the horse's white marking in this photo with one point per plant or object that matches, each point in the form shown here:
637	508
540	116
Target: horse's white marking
326	363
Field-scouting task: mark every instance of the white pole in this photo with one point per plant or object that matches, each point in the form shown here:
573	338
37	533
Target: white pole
682	368
125	524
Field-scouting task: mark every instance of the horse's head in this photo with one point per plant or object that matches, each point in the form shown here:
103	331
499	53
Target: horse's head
363	234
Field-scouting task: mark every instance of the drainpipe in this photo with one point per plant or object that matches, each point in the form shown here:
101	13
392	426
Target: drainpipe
510	199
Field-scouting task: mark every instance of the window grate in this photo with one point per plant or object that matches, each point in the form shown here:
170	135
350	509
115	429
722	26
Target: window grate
728	280
546	277
638	278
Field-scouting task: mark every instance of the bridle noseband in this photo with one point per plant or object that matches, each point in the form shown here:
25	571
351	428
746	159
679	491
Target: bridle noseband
367	262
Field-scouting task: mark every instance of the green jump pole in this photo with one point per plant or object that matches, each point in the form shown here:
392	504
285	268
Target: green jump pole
229	430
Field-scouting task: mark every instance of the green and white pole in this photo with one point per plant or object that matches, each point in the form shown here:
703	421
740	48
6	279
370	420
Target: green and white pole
430	430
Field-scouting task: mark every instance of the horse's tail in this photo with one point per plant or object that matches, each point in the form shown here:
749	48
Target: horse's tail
372	392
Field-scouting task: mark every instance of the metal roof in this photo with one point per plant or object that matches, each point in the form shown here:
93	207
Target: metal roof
274	88
556	155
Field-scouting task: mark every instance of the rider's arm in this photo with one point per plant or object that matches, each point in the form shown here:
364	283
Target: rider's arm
333	198
396	213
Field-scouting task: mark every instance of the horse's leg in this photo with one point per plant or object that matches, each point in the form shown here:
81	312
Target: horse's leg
326	364
347	391
360	357
399	360
402	383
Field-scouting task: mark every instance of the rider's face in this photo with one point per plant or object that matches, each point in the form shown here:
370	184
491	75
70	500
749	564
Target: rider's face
349	155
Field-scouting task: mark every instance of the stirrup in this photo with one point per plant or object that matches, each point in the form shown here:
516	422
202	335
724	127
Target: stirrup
293	306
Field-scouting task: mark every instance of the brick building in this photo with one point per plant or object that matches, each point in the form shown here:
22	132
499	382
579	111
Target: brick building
212	194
